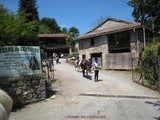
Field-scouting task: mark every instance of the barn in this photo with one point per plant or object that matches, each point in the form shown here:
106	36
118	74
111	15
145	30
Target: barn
114	42
53	43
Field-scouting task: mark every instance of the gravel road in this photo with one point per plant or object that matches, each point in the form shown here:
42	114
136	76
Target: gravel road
113	97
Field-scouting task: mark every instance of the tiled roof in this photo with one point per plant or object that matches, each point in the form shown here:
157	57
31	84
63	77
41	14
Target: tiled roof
52	35
108	31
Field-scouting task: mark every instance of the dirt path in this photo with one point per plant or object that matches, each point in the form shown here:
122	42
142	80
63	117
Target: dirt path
110	83
70	84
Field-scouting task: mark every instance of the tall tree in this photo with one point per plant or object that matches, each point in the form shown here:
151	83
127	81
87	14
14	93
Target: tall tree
50	24
30	8
72	33
147	12
15	30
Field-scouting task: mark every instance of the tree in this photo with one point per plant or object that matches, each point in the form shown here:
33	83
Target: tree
15	30
3	9
29	7
147	12
72	33
29	10
51	25
43	29
64	30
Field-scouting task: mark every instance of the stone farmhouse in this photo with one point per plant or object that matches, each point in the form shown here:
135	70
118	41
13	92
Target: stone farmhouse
114	42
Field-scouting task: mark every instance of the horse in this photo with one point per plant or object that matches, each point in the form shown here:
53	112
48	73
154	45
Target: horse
77	65
6	103
89	66
86	67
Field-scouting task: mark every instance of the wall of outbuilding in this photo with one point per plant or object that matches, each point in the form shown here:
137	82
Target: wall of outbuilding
113	60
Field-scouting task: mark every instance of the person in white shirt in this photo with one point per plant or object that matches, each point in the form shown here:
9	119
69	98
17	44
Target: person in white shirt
96	67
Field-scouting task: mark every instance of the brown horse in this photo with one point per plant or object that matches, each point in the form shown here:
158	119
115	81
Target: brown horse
86	67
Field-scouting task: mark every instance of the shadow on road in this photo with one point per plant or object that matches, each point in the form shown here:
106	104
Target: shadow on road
88	77
50	91
155	104
99	80
157	118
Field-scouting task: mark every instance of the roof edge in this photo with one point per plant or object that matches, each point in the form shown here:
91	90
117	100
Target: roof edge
103	32
52	35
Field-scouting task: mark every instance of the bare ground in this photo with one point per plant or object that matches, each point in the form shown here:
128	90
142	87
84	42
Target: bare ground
69	85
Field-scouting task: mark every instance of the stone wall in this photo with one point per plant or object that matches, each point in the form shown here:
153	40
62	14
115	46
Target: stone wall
99	47
25	89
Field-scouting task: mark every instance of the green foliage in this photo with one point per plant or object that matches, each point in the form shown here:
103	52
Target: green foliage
151	48
150	74
29	7
50	25
69	40
43	29
16	31
73	31
64	30
147	12
29	10
3	9
149	57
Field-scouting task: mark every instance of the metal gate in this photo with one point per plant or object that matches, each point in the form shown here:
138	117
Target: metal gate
145	72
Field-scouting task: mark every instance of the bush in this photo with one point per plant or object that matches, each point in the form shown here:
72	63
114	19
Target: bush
149	60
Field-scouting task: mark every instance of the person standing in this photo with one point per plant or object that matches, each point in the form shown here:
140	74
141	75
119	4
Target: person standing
57	59
96	67
50	61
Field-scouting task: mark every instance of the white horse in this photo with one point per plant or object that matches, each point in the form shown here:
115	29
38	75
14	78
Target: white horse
78	65
6	103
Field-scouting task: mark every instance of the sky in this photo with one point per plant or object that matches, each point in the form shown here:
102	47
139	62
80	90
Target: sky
82	14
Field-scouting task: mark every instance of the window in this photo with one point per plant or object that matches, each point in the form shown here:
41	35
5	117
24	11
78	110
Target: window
83	56
92	42
119	42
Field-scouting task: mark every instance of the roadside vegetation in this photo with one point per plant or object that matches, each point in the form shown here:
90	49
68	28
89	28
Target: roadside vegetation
148	13
150	61
22	28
